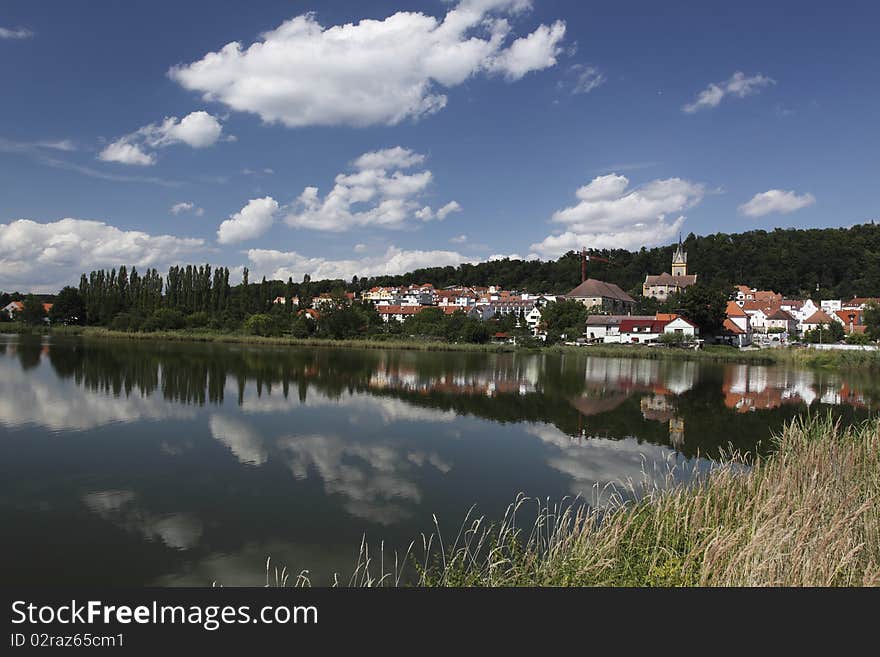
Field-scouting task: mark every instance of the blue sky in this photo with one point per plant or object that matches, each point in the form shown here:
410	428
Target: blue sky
435	132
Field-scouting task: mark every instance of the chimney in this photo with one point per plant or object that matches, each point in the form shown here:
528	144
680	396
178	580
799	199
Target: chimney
583	264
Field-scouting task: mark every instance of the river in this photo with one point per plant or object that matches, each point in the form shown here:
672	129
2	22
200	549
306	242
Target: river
149	463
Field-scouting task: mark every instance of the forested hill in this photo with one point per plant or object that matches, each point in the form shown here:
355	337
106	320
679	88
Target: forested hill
844	262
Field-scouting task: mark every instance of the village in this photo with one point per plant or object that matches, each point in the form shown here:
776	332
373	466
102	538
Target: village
753	318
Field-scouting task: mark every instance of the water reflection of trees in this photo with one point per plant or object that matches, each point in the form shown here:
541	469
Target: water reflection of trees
697	408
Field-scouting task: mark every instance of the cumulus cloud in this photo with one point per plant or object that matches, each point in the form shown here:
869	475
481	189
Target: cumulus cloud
377	193
776	201
738	85
186	206
280	264
610	215
253	220
371	72
43	257
196	129
427	214
15	33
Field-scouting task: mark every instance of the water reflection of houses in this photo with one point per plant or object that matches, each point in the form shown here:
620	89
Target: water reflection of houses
659	408
486	383
629	375
756	387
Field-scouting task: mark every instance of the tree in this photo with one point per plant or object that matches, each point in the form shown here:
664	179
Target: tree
825	334
33	312
567	317
871	318
69	307
704	305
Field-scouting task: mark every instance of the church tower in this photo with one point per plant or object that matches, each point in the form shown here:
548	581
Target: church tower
679	260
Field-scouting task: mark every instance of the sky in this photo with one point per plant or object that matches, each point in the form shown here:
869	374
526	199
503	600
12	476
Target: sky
342	138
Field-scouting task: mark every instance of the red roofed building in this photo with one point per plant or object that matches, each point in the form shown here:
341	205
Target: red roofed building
13	308
816	320
738	326
852	320
640	331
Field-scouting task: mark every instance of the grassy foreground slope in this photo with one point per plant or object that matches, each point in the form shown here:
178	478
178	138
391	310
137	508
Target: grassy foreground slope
809	515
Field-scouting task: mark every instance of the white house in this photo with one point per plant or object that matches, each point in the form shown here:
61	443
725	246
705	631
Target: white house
681	326
830	306
816	320
13	308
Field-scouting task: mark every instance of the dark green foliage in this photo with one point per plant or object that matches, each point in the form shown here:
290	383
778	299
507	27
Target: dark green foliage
33	312
784	260
702	304
263	324
68	308
564	318
164	319
871	317
825	334
858	338
341	319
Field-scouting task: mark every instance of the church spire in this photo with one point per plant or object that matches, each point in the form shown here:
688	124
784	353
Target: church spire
679	259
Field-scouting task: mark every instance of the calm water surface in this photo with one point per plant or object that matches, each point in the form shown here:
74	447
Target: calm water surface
184	464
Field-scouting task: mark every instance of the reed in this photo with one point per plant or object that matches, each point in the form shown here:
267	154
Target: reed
808	515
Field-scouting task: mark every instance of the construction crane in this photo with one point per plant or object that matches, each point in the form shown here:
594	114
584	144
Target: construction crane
584	257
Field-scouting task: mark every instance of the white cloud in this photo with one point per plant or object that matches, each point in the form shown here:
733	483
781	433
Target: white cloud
428	214
251	221
389	158
126	153
776	201
587	78
15	33
186	206
46	256
59	145
534	52
197	129
458	239
378	193
738	85
370	72
279	265
609	215
505	256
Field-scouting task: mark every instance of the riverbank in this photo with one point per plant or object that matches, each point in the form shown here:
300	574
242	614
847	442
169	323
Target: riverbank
793	356
809	515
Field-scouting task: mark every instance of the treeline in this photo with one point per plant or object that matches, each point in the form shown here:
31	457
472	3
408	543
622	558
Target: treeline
843	262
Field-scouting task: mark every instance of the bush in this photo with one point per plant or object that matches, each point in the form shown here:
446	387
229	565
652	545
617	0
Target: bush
673	338
262	324
197	320
126	322
858	338
164	319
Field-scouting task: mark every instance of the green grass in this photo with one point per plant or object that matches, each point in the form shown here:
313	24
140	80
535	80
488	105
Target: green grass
715	353
809	515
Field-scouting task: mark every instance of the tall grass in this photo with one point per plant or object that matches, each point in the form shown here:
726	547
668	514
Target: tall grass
809	515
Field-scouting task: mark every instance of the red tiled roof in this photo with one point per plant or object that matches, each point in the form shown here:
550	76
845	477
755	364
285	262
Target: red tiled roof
733	310
667	317
844	316
653	325
595	288
730	325
819	317
779	313
668	279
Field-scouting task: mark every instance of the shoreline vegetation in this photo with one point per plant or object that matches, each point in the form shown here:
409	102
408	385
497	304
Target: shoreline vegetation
807	515
717	353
